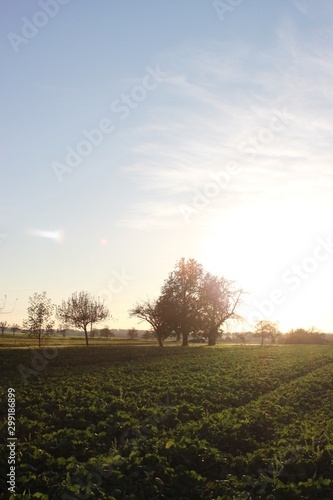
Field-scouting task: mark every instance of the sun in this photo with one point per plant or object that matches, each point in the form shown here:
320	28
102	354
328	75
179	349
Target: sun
252	245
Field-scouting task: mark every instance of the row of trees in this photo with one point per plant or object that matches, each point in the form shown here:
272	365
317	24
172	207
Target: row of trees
80	310
6	326
192	301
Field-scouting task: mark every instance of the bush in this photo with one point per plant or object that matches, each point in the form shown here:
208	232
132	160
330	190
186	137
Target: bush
302	336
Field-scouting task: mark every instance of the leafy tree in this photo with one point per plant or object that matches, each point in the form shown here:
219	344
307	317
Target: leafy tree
39	323
218	303
191	302
148	334
80	310
240	337
180	296
153	312
14	328
106	332
266	329
3	326
302	336
132	333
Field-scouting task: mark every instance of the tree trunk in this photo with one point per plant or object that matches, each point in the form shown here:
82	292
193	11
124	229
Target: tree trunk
159	340
262	340
86	335
212	335
211	340
39	335
185	339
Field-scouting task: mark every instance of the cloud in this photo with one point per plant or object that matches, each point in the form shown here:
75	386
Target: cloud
219	104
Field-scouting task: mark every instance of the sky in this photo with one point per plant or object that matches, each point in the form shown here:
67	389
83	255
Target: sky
138	133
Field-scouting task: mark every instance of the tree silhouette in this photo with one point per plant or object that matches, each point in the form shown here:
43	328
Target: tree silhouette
80	310
218	303
39	323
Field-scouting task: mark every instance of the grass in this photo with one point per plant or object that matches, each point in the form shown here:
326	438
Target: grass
8	341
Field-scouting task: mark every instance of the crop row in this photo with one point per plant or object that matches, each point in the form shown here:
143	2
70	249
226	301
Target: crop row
205	423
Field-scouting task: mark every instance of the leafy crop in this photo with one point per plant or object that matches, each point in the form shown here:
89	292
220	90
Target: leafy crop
201	423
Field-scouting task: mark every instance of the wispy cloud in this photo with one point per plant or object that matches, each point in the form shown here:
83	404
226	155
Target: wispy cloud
210	117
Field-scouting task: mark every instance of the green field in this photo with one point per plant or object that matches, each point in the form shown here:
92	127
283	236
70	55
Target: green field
176	423
8	341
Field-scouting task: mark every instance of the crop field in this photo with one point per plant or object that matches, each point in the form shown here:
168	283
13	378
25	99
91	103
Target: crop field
120	422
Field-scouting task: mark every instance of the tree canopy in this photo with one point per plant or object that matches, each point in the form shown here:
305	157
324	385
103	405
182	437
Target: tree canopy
80	310
266	329
39	323
192	301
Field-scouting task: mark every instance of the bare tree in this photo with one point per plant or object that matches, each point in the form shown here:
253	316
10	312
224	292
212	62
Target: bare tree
14	328
132	333
3	326
152	311
80	310
39	323
266	329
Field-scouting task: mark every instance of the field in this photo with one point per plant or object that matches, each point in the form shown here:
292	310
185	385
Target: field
126	422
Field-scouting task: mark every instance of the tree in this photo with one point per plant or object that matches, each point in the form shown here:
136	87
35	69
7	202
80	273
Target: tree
14	328
106	332
266	329
80	310
132	333
3	326
153	312
218	303
39	323
302	336
180	295
148	335
240	337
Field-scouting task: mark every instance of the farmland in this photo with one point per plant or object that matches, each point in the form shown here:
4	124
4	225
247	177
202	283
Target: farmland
130	422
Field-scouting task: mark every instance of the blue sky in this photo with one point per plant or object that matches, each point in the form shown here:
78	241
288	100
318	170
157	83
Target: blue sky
216	144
